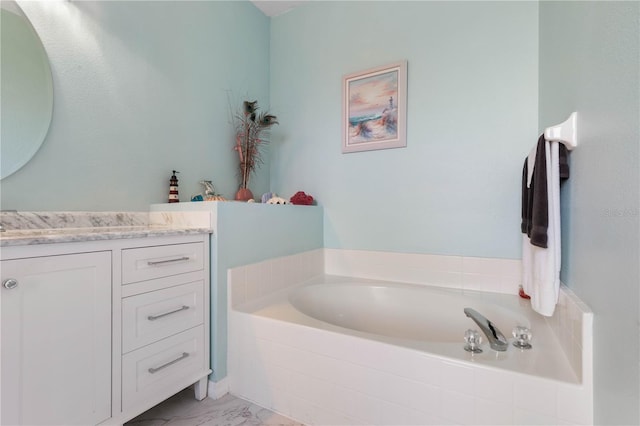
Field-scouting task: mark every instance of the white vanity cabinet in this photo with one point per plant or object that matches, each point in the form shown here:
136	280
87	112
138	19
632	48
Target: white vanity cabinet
164	306
56	340
97	332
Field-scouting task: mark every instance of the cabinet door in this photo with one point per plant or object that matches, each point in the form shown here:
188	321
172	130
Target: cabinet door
56	340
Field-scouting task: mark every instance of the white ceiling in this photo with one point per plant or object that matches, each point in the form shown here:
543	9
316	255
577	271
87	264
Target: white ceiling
276	7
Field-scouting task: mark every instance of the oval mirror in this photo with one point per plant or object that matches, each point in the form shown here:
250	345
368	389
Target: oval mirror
26	90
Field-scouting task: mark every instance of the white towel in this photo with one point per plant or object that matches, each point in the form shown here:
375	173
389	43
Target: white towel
541	266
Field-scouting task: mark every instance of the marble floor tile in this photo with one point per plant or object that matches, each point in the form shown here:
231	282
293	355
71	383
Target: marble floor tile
183	409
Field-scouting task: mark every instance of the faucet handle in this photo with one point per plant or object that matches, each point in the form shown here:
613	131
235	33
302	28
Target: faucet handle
522	336
472	339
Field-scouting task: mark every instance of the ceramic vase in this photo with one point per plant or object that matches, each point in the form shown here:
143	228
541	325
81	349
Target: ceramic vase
244	194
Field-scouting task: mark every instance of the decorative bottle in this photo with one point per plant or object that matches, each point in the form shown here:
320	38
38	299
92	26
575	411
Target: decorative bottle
173	188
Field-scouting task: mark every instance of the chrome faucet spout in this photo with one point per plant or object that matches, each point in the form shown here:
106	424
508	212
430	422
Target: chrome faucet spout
497	341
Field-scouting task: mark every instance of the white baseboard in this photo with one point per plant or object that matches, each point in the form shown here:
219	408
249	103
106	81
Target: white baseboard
218	389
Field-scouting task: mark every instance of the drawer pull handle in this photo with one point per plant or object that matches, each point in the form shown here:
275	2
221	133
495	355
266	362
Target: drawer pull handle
154	370
155	317
160	262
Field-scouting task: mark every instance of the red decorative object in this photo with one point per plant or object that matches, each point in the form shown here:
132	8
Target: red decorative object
301	198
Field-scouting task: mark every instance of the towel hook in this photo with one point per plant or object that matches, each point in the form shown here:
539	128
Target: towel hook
565	133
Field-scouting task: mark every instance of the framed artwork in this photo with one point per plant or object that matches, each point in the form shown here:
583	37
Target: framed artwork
374	108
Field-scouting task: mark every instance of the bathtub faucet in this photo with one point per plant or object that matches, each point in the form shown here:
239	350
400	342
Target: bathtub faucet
497	341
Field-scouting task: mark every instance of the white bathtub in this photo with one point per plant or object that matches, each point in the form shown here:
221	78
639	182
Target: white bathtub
399	311
336	350
428	319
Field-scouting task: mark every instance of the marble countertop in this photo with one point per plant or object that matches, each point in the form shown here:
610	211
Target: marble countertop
30	228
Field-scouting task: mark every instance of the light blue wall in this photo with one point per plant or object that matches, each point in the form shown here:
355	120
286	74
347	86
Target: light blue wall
472	115
589	63
246	233
140	89
249	234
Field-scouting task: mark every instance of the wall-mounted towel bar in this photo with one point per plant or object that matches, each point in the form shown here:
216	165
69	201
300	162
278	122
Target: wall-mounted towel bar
566	133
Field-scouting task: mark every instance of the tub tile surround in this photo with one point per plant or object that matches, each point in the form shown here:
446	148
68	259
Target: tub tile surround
572	323
473	273
320	377
256	280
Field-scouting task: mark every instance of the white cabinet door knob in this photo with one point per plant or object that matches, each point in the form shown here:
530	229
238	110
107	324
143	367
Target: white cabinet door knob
10	284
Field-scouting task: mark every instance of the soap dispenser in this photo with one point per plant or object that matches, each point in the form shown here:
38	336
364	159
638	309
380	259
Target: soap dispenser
173	188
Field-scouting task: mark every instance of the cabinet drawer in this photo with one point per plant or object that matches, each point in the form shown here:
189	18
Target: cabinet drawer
149	317
153	370
146	263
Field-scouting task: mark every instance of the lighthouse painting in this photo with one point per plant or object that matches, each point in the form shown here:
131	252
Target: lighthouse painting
374	108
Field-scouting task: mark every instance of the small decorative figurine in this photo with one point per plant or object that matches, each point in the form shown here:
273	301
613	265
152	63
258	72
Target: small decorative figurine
277	200
266	197
173	188
209	190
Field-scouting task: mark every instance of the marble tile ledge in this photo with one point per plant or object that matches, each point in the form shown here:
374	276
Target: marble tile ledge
27	228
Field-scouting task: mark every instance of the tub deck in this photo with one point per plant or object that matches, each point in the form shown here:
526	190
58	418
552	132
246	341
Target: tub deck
545	360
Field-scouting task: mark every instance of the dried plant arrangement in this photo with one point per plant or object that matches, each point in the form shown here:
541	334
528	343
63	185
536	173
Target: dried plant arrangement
251	131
